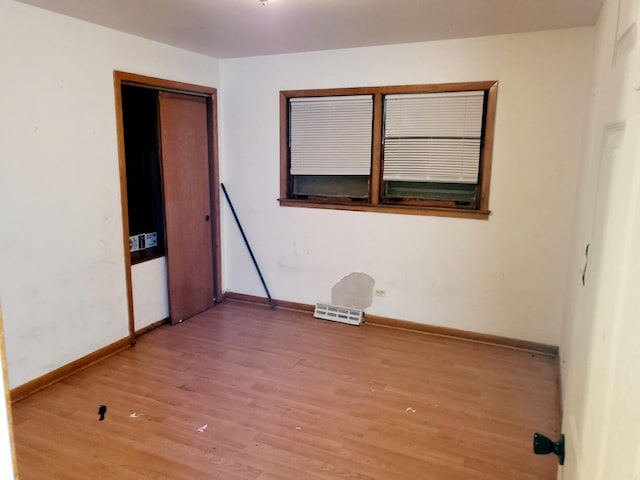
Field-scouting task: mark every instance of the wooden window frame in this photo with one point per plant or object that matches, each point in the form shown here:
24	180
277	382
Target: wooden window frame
376	201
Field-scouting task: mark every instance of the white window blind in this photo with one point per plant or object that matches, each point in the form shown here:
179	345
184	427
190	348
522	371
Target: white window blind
433	137
331	135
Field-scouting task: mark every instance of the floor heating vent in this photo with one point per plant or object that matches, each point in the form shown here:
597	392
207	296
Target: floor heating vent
352	316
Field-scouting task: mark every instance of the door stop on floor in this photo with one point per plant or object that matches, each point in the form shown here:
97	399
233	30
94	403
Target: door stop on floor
544	445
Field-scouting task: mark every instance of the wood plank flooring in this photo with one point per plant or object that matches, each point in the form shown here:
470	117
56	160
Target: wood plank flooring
288	397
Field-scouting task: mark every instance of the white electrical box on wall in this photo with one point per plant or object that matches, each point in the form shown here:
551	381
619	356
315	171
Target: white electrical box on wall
142	241
151	239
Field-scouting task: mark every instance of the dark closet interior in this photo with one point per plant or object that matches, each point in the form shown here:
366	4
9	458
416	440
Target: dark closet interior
144	173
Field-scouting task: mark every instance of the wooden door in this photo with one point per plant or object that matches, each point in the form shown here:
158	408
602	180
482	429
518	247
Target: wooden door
186	183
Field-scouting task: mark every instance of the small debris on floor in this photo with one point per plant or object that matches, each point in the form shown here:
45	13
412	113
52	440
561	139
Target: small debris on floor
298	428
134	415
102	411
202	428
410	410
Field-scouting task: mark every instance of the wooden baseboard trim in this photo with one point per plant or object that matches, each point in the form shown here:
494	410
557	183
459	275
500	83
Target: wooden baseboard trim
463	334
376	320
23	391
283	304
153	326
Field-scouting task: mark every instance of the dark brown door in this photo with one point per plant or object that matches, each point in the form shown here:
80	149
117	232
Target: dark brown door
186	180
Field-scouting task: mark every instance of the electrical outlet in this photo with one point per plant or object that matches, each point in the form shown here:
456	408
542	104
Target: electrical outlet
151	239
380	293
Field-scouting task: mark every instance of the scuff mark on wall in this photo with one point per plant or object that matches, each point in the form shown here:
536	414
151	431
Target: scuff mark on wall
355	290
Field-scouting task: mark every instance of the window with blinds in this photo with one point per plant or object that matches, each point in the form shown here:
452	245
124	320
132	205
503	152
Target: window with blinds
432	145
433	137
331	135
330	145
420	149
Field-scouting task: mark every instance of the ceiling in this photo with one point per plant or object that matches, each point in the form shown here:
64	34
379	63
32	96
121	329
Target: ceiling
240	28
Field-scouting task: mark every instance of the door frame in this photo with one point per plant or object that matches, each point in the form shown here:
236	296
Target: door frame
7	399
210	94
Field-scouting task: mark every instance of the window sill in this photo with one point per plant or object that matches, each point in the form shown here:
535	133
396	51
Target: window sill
398	209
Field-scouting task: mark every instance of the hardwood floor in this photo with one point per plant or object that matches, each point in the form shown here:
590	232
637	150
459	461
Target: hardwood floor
288	397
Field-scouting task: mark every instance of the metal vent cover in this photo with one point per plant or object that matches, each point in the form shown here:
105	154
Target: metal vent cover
335	313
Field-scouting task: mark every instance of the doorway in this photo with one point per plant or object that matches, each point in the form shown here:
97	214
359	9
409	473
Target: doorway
167	138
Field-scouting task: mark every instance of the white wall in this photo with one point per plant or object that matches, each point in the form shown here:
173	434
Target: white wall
599	351
62	279
505	276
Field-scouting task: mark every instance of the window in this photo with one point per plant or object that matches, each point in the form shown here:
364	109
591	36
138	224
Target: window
408	149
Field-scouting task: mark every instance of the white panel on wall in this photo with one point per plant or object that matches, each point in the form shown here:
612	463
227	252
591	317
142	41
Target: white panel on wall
150	295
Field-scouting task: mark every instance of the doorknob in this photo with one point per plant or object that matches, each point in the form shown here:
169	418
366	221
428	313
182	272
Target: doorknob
206	218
